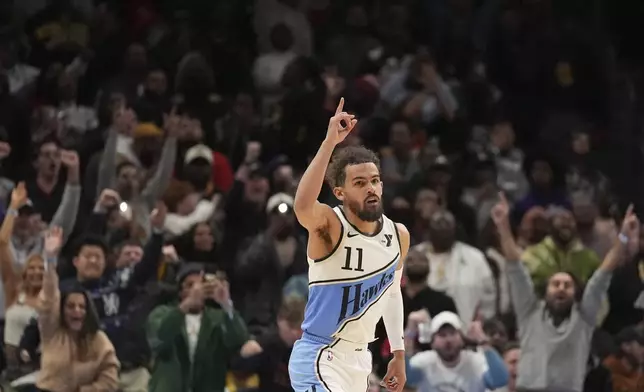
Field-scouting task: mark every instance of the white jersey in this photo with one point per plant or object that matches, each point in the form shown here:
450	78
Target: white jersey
348	288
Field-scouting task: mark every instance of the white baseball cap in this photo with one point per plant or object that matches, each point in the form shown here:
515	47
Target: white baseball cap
445	318
277	199
199	151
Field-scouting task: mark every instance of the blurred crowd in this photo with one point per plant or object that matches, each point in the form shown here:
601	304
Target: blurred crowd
150	151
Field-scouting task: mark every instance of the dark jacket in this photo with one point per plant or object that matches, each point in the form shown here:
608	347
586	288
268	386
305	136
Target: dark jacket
220	338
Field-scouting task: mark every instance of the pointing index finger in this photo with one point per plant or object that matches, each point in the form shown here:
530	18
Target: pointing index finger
340	106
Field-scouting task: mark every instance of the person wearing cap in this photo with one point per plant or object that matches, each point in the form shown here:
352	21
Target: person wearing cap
559	327
207	170
139	196
449	366
627	363
193	339
271	259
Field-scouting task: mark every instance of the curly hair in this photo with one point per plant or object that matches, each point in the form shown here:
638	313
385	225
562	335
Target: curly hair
352	155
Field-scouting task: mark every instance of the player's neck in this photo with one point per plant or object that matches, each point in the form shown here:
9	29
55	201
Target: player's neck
363	226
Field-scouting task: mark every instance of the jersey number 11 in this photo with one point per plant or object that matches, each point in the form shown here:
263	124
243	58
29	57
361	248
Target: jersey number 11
347	262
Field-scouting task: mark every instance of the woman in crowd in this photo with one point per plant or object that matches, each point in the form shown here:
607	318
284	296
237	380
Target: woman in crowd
20	285
76	355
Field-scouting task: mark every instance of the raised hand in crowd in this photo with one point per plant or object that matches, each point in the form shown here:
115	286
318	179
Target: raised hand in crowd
53	242
475	332
170	254
173	123
72	163
18	197
218	290
500	216
107	200
5	150
631	229
157	218
628	234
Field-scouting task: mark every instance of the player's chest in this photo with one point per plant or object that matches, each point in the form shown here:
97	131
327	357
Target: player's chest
358	258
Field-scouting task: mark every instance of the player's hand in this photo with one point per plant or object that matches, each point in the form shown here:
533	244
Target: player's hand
395	378
340	125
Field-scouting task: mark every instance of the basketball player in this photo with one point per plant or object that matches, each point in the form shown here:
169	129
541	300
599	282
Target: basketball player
355	258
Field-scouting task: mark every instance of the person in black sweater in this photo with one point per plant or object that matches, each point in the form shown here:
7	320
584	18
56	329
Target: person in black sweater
268	355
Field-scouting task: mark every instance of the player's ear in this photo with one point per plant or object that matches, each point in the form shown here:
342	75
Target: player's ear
339	193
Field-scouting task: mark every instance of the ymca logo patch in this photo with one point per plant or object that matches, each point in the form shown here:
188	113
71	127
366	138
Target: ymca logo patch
329	356
387	240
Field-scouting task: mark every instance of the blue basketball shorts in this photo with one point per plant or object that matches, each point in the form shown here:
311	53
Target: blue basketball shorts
318	364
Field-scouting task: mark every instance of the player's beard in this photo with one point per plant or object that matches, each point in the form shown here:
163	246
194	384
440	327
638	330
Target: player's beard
366	213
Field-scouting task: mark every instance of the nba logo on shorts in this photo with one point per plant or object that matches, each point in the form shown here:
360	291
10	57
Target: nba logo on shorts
329	356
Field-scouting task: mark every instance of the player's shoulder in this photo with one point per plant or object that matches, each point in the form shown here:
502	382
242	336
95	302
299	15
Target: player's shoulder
405	240
403	233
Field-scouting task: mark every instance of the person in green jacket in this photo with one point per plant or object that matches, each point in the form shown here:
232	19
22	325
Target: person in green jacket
191	341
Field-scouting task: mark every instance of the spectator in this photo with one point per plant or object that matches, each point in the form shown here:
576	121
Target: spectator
458	269
269	67
351	46
626	293
268	356
561	251
509	160
127	177
191	341
48	194
625	365
546	188
419	300
595	233
198	244
76	355
113	293
563	319
449	365
269	13
399	163
511	355
268	262
154	103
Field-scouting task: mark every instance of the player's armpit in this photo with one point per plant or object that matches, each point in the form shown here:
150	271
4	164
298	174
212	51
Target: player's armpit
314	217
405	240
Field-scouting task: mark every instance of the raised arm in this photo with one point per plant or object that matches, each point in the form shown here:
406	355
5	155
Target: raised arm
49	297
147	268
65	216
163	174
599	282
310	213
11	278
521	289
